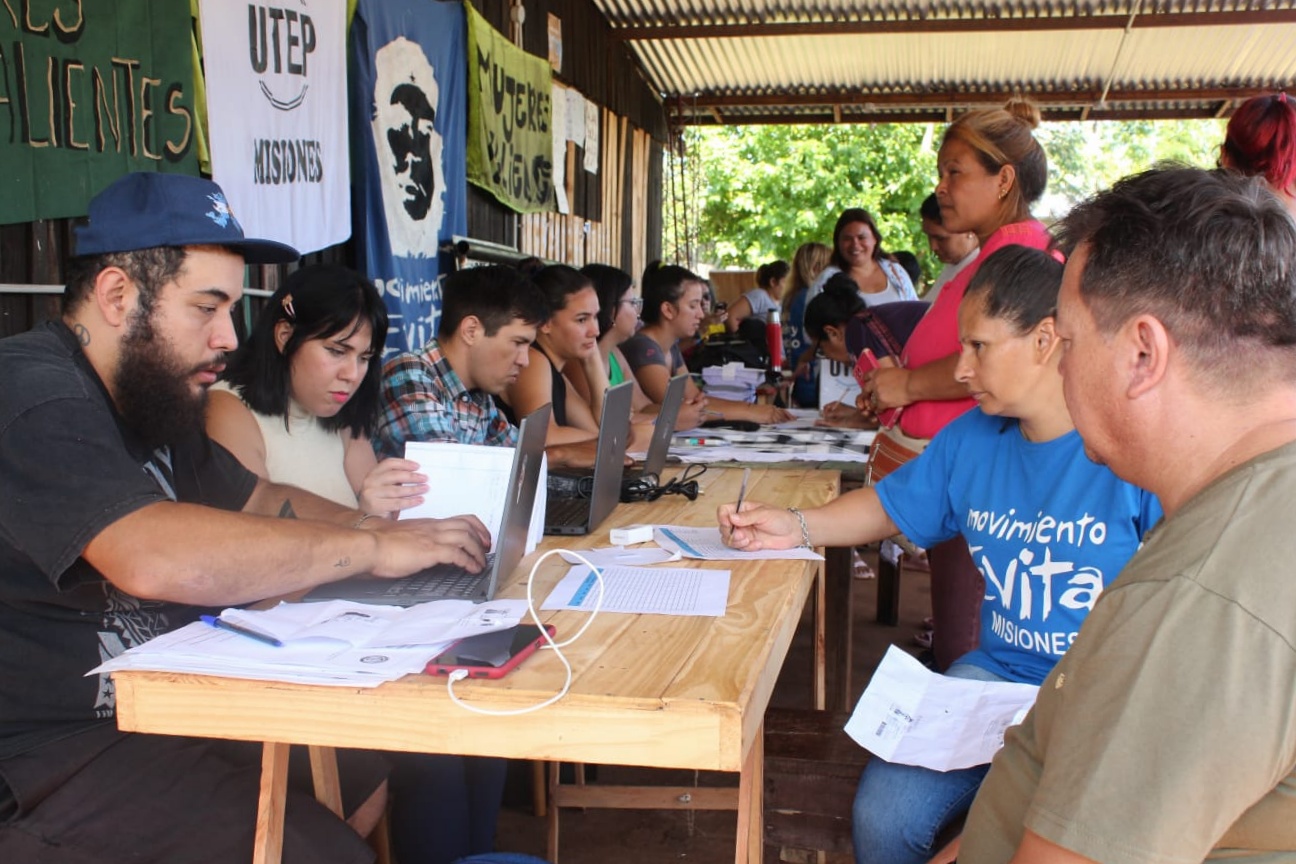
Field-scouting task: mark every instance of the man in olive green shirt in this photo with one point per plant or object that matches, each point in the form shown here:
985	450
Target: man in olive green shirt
1168	731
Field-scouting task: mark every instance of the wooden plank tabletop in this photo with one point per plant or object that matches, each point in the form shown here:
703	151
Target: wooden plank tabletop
648	690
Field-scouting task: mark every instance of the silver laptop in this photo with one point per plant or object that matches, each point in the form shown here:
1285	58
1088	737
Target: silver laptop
664	428
449	581
576	516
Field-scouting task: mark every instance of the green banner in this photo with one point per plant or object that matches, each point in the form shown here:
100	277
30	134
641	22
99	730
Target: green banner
89	90
510	147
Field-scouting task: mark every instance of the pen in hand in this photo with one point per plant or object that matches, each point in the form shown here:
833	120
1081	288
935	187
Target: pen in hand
742	490
222	624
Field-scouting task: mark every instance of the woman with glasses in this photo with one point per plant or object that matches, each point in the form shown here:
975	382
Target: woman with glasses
618	319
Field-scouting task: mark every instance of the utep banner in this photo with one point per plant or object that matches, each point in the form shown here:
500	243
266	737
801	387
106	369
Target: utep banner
408	109
88	92
510	147
276	103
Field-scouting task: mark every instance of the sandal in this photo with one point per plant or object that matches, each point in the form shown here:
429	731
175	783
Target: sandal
917	562
860	568
923	639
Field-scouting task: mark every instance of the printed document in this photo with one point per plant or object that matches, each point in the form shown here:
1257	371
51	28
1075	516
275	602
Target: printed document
705	543
653	591
913	716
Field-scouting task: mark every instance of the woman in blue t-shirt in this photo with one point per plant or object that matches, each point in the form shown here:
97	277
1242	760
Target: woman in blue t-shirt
1047	527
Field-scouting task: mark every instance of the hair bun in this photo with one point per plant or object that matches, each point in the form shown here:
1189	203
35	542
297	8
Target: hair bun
1024	110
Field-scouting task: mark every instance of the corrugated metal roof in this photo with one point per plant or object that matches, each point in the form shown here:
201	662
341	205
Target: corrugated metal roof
742	61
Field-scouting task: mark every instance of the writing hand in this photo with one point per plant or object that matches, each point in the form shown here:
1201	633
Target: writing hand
757	527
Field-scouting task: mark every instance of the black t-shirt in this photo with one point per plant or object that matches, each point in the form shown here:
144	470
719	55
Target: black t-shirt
70	469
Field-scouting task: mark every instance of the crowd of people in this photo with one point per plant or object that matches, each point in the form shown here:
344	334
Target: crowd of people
1098	426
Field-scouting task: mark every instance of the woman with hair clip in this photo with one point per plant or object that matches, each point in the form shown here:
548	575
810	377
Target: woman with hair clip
761	300
808	262
618	318
296	405
1010	479
991	171
857	252
1261	141
672	310
841	326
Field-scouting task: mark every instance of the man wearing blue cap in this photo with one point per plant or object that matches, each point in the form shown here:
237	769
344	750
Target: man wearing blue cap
120	520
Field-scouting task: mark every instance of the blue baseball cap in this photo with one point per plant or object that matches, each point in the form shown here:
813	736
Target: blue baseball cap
148	209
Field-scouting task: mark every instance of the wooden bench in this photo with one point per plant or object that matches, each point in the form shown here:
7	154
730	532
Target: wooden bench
811	770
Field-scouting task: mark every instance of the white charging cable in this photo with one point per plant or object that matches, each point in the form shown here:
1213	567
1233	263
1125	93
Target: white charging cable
460	674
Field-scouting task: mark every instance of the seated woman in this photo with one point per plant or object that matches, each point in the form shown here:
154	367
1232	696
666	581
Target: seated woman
618	319
297	403
673	310
840	325
761	300
1049	528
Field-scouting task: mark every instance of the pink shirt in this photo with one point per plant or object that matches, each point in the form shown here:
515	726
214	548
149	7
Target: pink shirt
936	335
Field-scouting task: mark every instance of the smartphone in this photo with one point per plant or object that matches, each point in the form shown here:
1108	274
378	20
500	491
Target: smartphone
490	655
866	363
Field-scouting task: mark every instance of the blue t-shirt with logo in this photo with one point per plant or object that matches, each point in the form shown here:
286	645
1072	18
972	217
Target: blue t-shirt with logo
1047	527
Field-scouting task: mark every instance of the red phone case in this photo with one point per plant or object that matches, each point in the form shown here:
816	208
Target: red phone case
435	668
865	364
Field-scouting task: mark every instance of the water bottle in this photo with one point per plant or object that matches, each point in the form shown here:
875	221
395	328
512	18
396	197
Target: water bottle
774	340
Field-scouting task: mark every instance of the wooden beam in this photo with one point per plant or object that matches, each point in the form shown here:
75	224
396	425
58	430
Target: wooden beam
1225	108
837	114
753	29
715	112
1076	113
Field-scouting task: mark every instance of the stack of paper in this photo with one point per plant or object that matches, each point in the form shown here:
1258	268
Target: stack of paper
339	642
732	381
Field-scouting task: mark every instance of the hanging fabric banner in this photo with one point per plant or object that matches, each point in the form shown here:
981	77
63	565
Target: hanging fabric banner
510	147
276	103
408	120
91	91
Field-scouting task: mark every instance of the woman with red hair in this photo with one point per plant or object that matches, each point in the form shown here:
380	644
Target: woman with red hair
1261	141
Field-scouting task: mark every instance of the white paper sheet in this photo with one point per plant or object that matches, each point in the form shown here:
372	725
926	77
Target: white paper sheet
620	556
912	716
558	125
705	543
655	591
592	116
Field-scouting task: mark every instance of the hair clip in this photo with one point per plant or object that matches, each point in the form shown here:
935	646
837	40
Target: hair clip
288	308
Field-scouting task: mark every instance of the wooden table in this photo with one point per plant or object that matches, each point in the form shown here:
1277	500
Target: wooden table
649	690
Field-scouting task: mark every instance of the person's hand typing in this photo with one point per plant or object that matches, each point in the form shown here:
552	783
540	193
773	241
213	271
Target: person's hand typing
411	545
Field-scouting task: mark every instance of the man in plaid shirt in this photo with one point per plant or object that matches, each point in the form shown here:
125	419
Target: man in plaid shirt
489	317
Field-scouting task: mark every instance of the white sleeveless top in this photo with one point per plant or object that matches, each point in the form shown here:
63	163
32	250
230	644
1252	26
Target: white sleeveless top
304	454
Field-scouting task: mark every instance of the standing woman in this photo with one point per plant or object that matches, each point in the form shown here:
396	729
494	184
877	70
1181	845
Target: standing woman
296	405
761	300
673	311
991	171
857	252
1261	140
809	261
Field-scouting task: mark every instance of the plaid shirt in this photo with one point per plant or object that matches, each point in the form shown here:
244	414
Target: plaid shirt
424	400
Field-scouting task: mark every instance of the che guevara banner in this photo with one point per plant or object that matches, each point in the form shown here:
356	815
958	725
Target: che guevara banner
276	103
408	115
510	146
90	91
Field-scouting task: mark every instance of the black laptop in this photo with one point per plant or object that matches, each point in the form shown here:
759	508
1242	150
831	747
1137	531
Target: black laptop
577	516
449	581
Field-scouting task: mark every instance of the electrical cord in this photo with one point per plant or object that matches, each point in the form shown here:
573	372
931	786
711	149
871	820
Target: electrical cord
647	487
556	647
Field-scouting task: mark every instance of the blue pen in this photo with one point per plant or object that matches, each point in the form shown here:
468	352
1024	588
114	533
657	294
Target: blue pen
222	624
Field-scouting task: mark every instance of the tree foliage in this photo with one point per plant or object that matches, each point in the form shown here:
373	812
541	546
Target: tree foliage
757	193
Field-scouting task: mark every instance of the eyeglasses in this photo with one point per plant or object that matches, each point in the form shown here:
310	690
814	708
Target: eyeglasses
635	303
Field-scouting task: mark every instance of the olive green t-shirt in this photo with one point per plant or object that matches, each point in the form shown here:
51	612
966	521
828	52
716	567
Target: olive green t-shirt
1167	733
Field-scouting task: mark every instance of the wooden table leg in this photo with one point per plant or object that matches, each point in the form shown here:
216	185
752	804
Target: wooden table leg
551	850
267	846
750	842
324	774
820	679
838	584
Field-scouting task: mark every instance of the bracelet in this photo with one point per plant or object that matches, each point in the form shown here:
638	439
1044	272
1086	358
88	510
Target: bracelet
805	532
363	518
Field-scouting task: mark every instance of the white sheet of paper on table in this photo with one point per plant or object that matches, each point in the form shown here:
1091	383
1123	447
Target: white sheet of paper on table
913	716
620	556
643	590
705	544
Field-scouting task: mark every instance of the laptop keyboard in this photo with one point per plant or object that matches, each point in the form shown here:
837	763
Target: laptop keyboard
567	511
441	581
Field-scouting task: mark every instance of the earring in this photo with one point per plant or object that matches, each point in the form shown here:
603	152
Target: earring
288	308
1003	193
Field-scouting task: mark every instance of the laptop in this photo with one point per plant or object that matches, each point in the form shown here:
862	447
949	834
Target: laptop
663	429
450	581
578	516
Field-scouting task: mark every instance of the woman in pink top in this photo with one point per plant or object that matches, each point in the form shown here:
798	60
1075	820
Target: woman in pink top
991	171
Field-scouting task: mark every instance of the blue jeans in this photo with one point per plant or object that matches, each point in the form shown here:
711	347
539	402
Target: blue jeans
900	810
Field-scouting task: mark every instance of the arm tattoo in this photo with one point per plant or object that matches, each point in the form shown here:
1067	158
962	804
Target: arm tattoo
343	562
286	511
82	334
